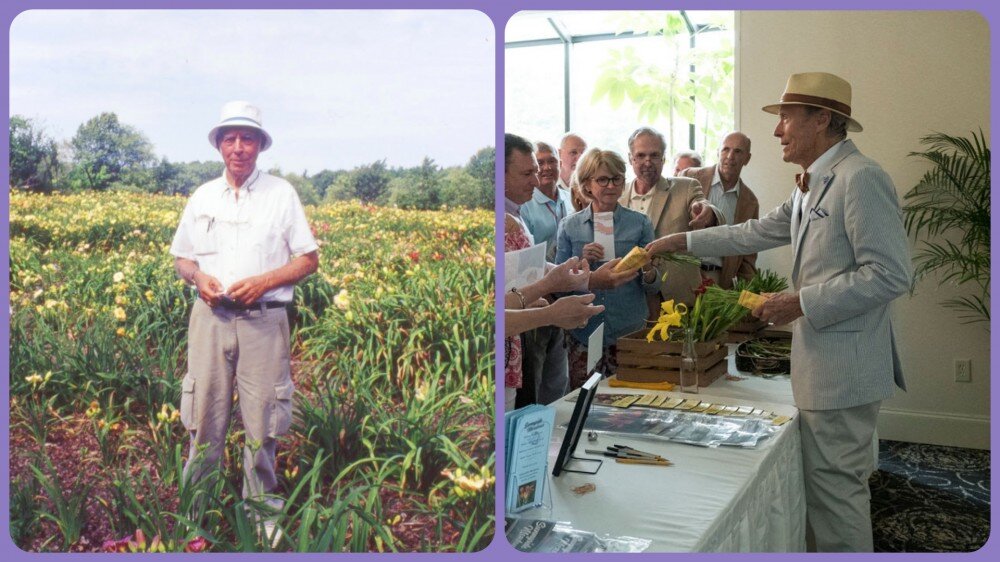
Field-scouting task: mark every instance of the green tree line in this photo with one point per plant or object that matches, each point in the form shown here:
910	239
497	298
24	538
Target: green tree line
106	154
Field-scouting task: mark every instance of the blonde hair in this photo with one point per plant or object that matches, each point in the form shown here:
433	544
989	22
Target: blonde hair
579	199
591	162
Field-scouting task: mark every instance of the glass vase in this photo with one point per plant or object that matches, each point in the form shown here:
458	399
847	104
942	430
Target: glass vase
689	364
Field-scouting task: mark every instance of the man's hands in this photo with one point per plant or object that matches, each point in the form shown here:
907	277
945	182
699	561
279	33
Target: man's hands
701	215
606	278
209	288
672	243
247	291
779	308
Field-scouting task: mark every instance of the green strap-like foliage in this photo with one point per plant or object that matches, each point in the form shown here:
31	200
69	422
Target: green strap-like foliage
948	214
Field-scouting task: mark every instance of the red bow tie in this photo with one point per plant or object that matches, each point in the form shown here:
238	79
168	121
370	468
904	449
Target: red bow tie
802	180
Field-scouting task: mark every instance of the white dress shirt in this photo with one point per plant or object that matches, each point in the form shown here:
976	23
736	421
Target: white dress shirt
232	238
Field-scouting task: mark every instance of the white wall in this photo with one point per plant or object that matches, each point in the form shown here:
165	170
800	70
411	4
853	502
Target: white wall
912	73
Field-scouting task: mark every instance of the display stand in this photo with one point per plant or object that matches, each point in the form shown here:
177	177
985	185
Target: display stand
575	428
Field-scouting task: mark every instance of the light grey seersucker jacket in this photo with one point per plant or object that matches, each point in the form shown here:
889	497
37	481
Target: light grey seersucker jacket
848	266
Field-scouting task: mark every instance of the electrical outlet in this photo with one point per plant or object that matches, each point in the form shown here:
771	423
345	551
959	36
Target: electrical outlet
963	370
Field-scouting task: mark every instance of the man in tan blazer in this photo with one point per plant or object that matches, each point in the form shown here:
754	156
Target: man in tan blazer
672	204
850	261
727	192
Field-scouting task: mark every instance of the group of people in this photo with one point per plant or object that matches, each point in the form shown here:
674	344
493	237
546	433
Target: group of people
850	261
552	196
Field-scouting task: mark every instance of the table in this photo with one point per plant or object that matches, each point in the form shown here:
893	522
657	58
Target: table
777	389
712	500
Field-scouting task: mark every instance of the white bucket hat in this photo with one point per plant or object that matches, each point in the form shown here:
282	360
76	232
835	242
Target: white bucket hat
818	89
239	114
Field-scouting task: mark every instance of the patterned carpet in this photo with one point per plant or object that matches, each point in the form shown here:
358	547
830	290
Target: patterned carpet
928	498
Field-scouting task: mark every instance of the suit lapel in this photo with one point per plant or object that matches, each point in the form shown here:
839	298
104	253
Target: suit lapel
742	203
661	192
799	227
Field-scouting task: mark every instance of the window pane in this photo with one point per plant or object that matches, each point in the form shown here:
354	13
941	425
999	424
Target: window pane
533	87
679	83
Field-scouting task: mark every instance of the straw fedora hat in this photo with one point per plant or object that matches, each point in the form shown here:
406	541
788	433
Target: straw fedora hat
239	114
818	89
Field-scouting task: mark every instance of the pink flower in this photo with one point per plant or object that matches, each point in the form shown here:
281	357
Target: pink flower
197	544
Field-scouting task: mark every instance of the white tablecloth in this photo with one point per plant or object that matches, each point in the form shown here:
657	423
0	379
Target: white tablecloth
713	499
777	389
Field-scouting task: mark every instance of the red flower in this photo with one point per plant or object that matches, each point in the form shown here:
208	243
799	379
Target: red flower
415	256
706	282
197	544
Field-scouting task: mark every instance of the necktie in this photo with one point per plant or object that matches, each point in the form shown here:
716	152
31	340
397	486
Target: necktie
802	180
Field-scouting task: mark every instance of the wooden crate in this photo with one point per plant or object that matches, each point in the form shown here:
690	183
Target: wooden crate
747	329
643	361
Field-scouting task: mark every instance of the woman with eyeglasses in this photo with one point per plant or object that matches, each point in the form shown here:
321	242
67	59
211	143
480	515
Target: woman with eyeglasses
600	175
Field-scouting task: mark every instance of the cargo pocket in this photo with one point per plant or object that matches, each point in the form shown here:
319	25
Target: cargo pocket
187	403
281	410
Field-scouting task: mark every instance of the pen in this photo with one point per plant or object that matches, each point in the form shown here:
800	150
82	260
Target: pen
625	455
633	452
663	462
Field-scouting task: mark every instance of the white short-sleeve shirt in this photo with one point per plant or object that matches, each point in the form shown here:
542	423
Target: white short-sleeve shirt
234	238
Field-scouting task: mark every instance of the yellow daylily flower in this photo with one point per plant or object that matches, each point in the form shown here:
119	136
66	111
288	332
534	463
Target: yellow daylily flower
342	300
670	316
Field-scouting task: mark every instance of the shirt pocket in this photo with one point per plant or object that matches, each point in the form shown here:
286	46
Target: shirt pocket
268	244
204	239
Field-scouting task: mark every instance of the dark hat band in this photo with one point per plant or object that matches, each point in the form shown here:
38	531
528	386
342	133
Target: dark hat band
816	100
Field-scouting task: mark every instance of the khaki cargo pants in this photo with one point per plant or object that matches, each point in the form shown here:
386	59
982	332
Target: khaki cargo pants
251	349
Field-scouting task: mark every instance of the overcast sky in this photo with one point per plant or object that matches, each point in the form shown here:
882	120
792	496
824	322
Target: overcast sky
337	88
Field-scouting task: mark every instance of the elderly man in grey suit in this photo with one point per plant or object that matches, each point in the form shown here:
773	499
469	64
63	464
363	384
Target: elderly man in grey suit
726	191
850	261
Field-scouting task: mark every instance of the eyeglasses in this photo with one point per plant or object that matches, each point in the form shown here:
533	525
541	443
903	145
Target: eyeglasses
603	181
651	157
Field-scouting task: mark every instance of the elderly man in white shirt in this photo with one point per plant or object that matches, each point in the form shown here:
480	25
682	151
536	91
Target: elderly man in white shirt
244	242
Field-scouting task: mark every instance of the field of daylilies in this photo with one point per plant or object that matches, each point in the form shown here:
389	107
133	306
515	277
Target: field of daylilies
391	447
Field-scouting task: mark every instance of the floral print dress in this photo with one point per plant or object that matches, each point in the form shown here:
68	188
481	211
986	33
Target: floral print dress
513	239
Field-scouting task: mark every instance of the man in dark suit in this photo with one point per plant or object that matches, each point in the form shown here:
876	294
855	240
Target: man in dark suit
726	191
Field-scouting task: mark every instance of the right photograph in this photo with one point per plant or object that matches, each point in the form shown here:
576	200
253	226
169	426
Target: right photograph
747	281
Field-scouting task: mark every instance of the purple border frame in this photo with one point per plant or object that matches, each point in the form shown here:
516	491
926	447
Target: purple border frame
499	12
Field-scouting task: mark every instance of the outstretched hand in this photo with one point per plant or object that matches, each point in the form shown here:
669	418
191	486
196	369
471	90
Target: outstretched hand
672	243
571	275
701	216
573	311
605	277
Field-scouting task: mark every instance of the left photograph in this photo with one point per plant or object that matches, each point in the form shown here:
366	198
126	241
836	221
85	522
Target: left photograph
251	281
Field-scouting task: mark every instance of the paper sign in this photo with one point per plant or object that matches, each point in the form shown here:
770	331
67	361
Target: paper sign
523	267
595	347
604	233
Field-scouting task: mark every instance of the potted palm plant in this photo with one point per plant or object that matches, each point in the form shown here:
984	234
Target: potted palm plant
948	214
